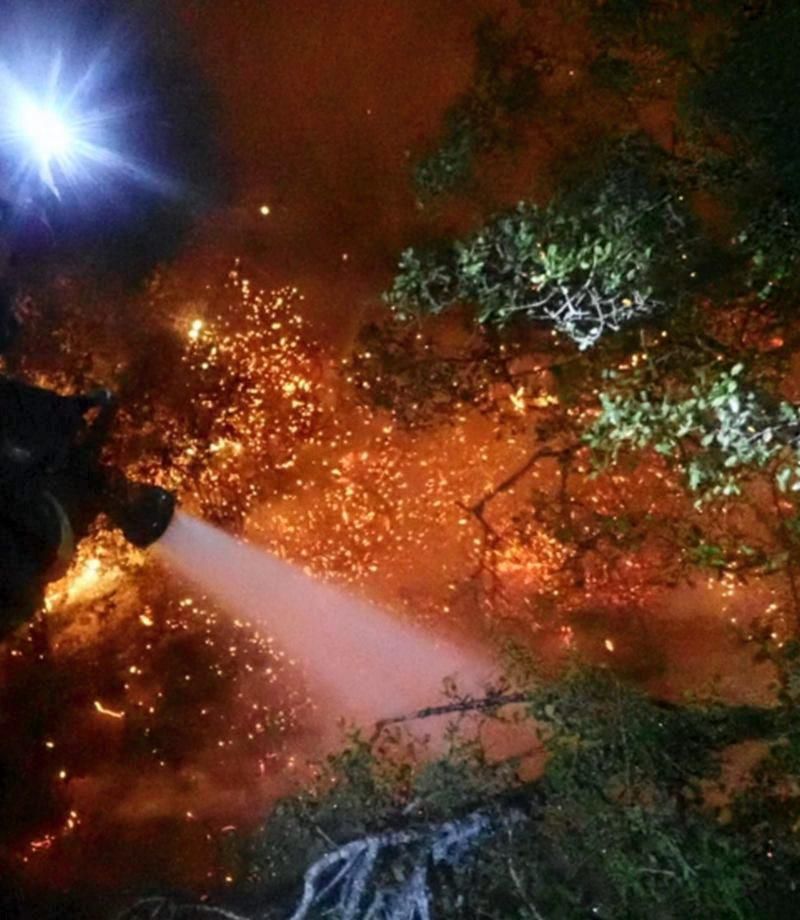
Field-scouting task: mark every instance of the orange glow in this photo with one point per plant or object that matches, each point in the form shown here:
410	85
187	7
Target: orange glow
108	712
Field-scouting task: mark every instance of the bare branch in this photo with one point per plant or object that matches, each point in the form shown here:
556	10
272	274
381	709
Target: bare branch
168	909
468	704
513	478
347	882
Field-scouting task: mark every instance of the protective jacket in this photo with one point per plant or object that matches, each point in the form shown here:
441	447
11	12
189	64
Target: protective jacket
45	474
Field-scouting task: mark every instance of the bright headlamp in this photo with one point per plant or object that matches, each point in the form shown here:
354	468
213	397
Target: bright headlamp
53	132
48	141
46	132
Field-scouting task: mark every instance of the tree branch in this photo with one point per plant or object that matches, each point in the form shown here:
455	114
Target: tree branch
468	704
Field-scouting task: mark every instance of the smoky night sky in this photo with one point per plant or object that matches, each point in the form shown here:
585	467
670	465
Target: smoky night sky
313	109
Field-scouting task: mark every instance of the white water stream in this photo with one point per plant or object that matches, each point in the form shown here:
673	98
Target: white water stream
361	663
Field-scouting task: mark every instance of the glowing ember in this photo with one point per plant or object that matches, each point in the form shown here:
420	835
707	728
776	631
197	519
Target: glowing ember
108	712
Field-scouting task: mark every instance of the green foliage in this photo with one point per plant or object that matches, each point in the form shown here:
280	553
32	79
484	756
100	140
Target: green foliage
717	431
747	93
730	554
589	263
770	241
450	164
623	786
616	827
744	98
488	114
709	556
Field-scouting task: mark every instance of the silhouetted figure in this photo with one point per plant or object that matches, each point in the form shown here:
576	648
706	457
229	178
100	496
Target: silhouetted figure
53	485
52	482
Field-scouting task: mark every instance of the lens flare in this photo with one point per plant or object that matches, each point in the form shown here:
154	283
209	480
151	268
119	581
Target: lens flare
44	138
48	134
56	131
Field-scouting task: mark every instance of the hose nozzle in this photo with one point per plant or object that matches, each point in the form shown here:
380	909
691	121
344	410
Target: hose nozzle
142	512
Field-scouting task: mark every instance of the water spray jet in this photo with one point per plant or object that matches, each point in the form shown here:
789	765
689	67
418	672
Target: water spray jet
362	663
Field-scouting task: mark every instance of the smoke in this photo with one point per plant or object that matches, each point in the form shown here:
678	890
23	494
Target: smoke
361	663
